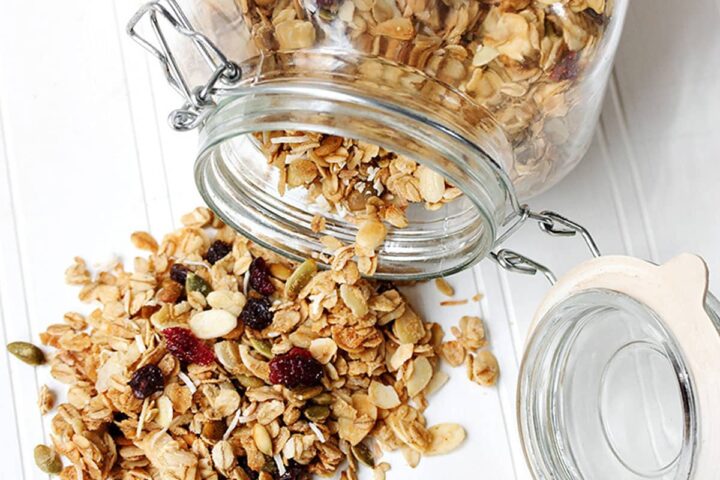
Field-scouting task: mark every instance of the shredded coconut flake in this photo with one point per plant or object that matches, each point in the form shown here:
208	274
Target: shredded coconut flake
141	419
280	464
140	344
196	264
294	156
233	424
299	139
246	282
318	433
188	381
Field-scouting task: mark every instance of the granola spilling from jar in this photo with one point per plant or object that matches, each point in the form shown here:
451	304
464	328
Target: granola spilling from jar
362	182
519	59
214	358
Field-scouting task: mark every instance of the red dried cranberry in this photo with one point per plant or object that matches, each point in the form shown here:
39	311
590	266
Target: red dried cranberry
179	272
260	277
146	381
217	251
296	368
326	4
567	68
257	314
186	347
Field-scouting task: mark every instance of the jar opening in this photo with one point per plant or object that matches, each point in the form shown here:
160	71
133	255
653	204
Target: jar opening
235	179
604	392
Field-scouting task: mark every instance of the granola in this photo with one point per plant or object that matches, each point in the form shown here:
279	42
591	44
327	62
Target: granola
521	60
227	418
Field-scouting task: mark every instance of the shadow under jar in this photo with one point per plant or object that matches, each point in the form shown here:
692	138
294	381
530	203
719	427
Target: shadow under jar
499	98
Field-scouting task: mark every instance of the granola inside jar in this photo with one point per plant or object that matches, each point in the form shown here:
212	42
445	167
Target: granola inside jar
433	118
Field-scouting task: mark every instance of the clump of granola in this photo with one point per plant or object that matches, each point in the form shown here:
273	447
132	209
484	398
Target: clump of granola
176	386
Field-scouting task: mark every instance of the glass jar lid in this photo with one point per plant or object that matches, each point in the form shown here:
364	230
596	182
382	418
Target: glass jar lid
618	376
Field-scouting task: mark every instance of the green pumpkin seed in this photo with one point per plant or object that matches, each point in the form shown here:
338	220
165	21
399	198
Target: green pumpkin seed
306	393
263	347
47	460
300	277
323	399
27	352
317	413
248	381
362	453
195	283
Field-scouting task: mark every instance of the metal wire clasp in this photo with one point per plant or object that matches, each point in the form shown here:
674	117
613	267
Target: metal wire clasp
551	223
198	100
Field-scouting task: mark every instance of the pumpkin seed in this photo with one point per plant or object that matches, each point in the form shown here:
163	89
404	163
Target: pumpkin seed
300	277
323	399
263	347
195	283
306	393
47	460
280	271
317	413
249	381
27	352
363	454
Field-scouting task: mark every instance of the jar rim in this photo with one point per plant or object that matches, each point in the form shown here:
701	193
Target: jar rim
332	103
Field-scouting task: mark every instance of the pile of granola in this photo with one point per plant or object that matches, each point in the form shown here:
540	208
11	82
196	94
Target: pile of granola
519	59
215	358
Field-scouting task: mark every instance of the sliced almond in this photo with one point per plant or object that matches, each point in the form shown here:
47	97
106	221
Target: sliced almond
212	323
262	439
446	437
436	383
409	327
403	353
165	411
411	456
323	349
352	297
383	396
421	375
432	184
232	302
257	367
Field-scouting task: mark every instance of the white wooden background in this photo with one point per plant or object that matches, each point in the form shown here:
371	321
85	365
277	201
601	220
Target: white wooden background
86	158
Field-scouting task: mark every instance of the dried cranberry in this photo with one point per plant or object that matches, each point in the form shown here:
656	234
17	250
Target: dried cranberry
217	251
242	463
295	471
146	381
257	314
260	277
567	68
296	368
179	272
186	347
326	4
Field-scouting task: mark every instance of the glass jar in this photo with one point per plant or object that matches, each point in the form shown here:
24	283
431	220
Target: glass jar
618	377
500	98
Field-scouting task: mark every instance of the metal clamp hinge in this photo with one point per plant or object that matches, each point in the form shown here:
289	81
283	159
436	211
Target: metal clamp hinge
551	223
198	100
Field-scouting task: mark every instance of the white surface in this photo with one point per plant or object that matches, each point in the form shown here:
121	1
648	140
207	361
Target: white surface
86	158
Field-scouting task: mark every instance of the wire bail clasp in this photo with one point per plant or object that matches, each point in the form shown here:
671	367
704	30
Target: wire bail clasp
551	223
198	100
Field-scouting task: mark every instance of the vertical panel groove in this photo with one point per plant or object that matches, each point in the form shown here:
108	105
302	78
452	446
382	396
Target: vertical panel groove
13	395
128	99
633	165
